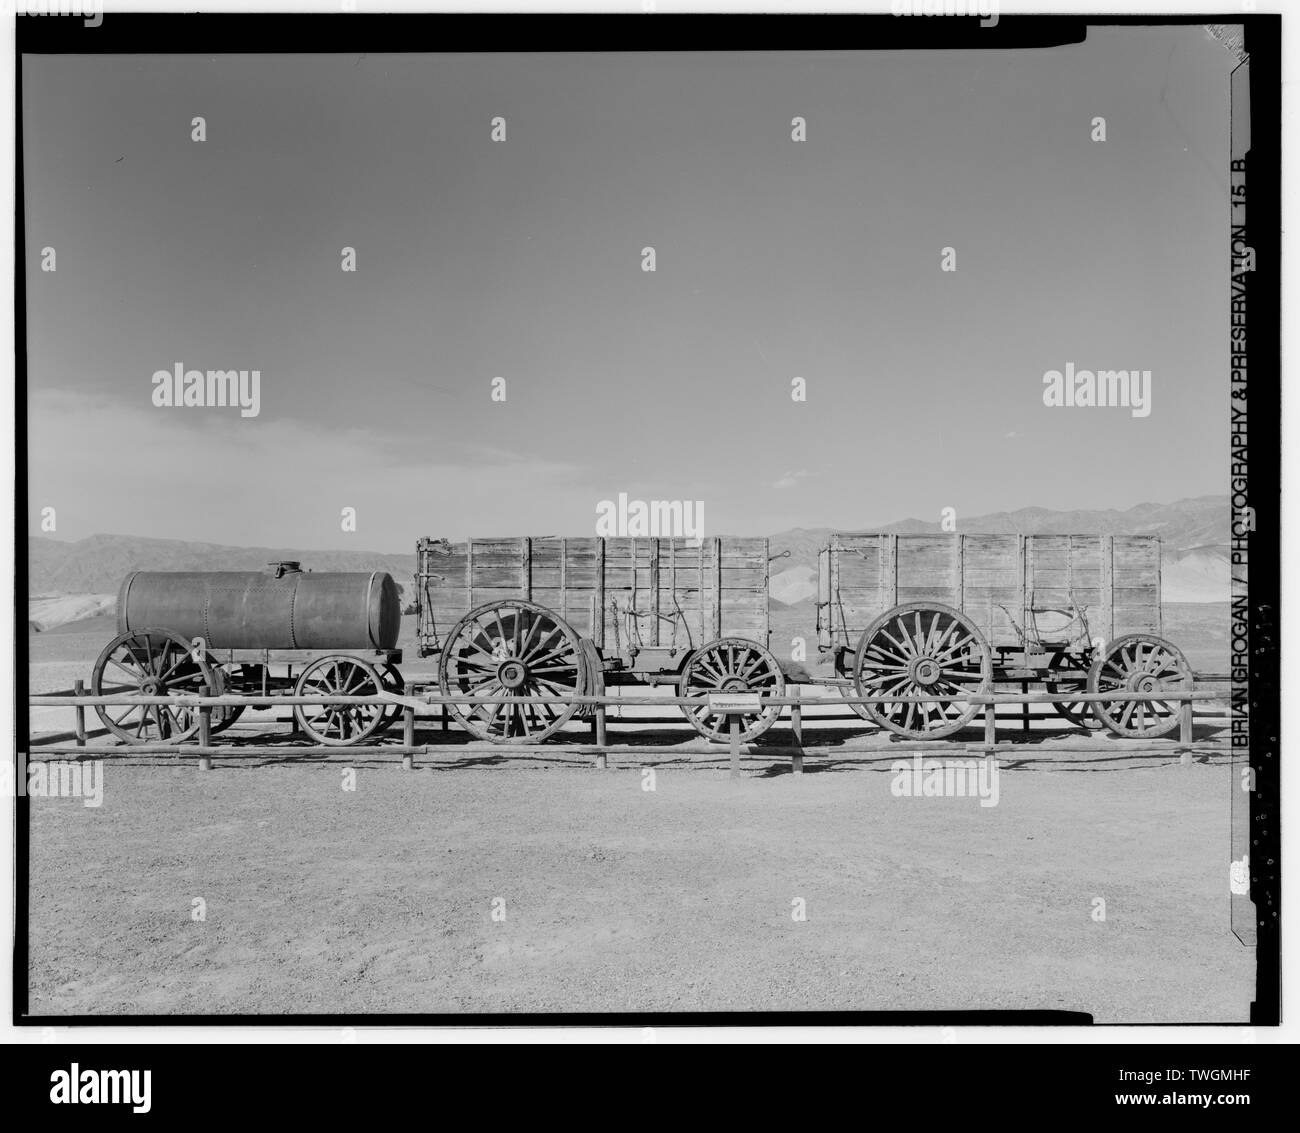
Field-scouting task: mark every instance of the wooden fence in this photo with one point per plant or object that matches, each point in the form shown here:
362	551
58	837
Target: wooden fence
413	706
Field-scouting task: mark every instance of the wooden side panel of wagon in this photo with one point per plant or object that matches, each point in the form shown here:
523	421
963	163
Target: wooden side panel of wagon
669	590
1078	587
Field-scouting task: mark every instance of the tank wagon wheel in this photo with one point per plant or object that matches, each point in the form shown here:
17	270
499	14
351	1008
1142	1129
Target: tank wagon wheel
391	679
731	664
1139	662
507	649
243	679
339	725
150	662
920	648
222	718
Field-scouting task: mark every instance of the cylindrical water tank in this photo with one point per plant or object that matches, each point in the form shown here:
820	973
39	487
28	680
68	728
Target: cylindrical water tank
283	608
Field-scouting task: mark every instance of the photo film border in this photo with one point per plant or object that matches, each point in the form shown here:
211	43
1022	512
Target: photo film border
1255	197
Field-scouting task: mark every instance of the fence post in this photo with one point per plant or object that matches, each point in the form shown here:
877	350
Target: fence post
796	728
408	738
734	722
599	736
205	730
990	725
1185	722
79	690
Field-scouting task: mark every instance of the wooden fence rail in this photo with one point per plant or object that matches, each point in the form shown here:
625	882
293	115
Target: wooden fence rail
412	706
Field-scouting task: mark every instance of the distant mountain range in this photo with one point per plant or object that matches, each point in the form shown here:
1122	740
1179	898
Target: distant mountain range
1195	534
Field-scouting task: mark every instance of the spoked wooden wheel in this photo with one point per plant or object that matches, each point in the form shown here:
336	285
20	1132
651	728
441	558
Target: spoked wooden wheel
731	664
508	651
1139	662
1077	712
339	725
150	662
847	691
595	676
391	678
222	718
922	649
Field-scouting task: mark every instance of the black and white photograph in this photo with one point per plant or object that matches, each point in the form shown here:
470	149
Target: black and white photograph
648	519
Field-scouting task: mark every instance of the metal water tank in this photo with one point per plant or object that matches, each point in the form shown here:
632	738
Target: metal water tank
281	608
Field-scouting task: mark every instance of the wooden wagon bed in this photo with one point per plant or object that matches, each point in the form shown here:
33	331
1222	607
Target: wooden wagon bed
616	592
1062	591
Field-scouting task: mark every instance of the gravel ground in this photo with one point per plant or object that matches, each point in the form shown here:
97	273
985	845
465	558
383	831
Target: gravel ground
618	898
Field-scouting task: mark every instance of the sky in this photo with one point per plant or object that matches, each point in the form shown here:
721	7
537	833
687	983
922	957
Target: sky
522	258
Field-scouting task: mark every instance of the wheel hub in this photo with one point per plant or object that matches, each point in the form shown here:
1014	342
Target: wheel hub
1143	682
733	684
150	686
925	671
512	674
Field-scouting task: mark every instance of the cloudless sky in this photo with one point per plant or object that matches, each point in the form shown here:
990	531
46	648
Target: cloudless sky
522	258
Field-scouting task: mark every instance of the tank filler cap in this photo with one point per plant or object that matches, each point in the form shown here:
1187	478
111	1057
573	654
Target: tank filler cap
285	566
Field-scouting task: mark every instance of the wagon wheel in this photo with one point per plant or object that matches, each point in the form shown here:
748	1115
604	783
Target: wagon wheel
1078	712
391	678
1139	662
223	717
339	725
150	662
921	648
510	649
731	664
245	680
847	691
595	680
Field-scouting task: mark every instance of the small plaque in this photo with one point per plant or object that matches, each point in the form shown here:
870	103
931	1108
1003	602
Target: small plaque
726	703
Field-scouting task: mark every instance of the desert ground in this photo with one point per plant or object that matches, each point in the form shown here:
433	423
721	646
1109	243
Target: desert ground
500	881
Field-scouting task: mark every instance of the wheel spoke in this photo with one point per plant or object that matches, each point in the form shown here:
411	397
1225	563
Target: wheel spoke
705	662
133	675
899	645
563	651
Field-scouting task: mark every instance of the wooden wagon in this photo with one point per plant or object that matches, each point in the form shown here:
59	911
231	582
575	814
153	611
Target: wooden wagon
916	615
521	618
